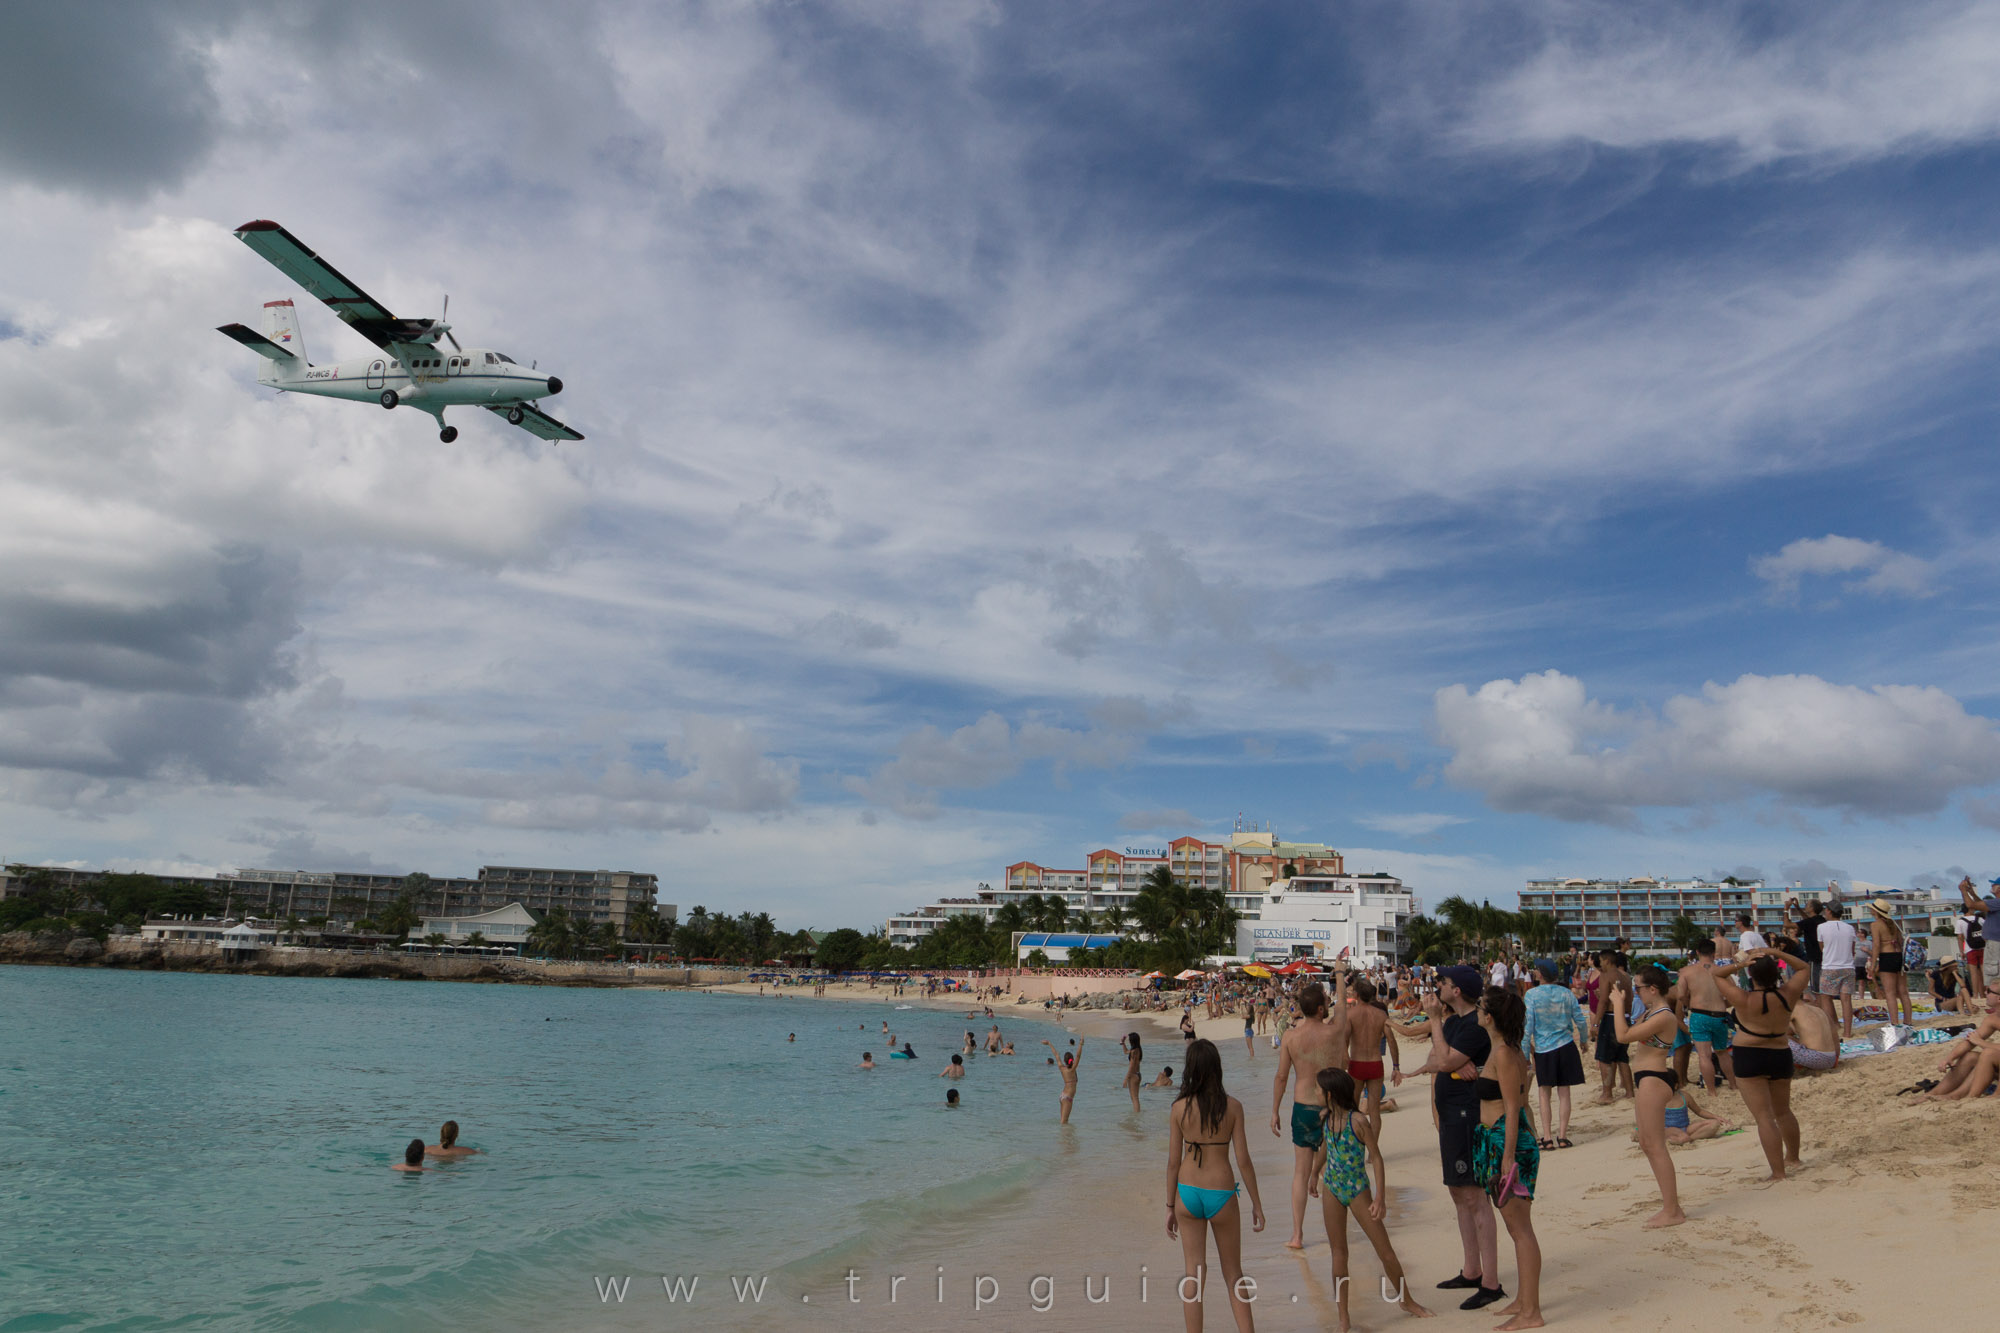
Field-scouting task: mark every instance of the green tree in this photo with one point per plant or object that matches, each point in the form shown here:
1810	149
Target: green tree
1428	942
436	939
477	939
1683	933
841	950
554	936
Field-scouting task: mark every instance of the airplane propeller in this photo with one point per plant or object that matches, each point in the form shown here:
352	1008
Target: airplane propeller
444	327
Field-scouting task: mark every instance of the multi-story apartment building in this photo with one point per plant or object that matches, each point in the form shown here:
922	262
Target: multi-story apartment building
1241	869
590	895
1597	912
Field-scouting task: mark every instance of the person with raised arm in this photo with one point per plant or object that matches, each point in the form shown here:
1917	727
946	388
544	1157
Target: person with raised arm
1070	1060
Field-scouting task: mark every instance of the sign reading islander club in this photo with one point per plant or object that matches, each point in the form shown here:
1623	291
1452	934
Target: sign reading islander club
1282	940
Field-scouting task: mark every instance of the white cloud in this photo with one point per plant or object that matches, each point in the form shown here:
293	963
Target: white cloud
1159	821
1835	81
1887	571
1540	744
1409	825
929	761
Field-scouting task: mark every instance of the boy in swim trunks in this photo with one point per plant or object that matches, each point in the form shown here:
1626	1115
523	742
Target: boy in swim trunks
1317	1041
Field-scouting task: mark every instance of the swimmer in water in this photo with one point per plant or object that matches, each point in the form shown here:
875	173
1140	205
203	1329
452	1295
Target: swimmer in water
868	1059
413	1157
956	1069
1008	1049
1165	1080
951	1099
791	1036
447	1144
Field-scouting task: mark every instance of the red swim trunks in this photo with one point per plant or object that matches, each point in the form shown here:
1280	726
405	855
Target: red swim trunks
1364	1071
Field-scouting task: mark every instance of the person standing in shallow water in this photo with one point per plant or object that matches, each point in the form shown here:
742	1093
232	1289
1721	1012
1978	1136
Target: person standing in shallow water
1206	1125
1133	1078
1068	1066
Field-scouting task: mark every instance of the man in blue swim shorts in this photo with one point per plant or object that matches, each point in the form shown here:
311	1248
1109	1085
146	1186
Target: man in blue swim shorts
1317	1041
1708	1020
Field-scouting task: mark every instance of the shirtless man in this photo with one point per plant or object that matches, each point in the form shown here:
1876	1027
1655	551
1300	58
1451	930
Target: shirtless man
1317	1041
1815	1045
1367	1029
956	1069
1707	1016
1067	1067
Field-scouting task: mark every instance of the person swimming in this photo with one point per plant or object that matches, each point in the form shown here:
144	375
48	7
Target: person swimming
447	1144
905	1054
951	1099
1165	1080
868	1059
956	1069
791	1036
413	1157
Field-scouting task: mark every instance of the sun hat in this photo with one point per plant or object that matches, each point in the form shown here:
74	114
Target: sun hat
1881	907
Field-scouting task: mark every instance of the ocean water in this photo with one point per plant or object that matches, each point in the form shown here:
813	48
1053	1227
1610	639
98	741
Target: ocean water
191	1151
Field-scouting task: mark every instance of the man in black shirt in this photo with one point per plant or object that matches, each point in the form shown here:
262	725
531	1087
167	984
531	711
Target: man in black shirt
1459	1048
1811	918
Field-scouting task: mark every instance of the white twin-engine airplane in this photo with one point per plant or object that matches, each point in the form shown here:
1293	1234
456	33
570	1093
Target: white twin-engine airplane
414	373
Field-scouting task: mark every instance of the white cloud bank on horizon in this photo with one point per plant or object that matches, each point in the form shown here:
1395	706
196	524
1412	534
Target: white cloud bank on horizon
1541	745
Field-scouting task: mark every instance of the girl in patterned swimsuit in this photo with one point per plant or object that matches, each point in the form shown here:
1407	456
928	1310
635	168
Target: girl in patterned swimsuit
1348	1153
1507	1169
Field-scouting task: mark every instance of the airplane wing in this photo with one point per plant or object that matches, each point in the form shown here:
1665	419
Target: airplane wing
362	312
257	342
537	422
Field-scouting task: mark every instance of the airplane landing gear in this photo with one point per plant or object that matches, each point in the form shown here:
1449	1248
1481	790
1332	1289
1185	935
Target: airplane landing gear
515	416
448	434
389	398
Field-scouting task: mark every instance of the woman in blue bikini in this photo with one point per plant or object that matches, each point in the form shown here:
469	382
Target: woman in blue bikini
1348	1155
1205	1123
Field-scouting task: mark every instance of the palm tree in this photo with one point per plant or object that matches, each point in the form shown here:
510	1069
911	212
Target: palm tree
1057	912
477	939
554	935
1460	915
1428	941
1112	919
436	939
1683	933
1010	918
1037	909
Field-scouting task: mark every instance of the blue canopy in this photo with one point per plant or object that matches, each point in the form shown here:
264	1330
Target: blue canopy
1043	941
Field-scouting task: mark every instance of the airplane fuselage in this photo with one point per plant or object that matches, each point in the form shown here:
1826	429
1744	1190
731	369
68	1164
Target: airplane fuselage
477	377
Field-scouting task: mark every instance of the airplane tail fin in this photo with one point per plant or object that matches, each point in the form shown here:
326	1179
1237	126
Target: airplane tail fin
281	326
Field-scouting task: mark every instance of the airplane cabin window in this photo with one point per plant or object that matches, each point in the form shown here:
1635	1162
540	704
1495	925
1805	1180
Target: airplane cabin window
489	358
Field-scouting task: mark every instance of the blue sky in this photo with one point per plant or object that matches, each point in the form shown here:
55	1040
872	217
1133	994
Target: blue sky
1499	440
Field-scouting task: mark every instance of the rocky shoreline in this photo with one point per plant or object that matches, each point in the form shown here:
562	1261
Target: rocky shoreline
71	949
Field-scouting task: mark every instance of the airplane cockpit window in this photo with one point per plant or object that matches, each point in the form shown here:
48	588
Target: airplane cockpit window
504	357
489	358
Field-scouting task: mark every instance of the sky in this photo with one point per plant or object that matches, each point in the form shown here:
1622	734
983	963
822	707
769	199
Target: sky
1502	440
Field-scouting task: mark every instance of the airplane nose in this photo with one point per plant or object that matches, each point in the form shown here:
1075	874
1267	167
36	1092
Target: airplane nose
555	385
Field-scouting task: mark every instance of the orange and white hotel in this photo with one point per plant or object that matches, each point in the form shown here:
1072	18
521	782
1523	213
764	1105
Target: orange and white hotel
1243	869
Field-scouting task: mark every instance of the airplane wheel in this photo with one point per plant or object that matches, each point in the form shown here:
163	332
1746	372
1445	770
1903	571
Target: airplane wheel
389	398
448	434
515	416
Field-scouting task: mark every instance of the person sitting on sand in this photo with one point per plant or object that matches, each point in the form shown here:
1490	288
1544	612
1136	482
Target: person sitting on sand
447	1144
413	1157
1687	1120
868	1059
956	1069
1815	1045
1165	1080
1961	1059
1944	987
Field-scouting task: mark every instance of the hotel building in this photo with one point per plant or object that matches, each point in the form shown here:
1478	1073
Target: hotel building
588	895
1641	910
1242	869
1328	917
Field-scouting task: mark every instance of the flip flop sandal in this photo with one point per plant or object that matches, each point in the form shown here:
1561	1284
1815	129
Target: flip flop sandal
1564	1143
1545	1144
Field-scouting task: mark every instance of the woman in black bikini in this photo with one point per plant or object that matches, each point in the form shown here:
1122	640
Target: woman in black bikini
1651	1041
1763	1052
1890	981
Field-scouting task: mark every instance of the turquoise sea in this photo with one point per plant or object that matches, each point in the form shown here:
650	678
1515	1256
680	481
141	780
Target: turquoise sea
194	1151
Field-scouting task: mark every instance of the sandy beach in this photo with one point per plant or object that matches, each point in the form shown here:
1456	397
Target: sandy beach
1893	1202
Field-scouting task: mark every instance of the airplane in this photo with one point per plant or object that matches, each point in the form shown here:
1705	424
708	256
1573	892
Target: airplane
414	372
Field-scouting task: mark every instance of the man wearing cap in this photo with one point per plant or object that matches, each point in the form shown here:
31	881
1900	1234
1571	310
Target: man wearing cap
1988	909
1459	1047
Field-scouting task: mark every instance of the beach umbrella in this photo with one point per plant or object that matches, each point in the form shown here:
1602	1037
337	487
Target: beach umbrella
1150	976
1190	975
1256	970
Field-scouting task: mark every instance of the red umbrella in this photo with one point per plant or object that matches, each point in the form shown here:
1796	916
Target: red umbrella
1299	965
